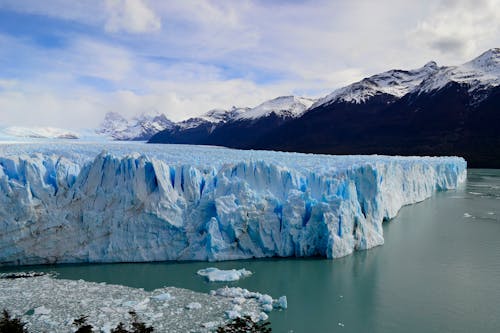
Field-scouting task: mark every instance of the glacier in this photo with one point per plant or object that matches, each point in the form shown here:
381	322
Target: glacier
74	202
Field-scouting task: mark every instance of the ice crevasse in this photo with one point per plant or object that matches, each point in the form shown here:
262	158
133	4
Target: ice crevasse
55	208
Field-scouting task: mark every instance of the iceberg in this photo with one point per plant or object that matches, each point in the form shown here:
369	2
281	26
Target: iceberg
67	202
218	275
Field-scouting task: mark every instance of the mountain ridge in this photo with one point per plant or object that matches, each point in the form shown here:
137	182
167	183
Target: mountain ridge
431	110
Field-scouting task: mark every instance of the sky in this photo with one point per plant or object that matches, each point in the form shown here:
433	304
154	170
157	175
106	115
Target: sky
66	63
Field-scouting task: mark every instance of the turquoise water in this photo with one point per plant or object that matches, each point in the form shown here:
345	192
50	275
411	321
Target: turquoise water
439	271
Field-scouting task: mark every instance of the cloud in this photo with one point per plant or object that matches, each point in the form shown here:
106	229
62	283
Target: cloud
132	16
186	57
460	27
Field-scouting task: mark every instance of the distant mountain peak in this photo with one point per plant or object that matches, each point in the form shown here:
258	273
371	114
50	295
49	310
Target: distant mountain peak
140	127
489	60
284	106
479	74
395	82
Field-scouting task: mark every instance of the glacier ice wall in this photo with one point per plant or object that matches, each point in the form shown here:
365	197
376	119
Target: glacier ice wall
59	206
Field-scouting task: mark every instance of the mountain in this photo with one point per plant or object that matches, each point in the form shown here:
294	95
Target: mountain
138	128
432	110
241	125
448	111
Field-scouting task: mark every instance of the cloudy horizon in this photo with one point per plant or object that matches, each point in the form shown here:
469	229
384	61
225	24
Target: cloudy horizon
66	64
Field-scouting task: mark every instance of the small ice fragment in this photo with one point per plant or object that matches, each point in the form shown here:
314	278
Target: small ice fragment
162	297
467	215
341	324
232	314
210	324
491	213
129	303
42	310
263	316
281	303
193	306
265	299
218	275
267	307
236	300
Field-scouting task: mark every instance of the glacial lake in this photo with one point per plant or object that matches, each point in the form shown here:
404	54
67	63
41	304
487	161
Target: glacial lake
439	271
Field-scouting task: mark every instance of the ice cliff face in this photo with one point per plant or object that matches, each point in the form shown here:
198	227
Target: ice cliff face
62	206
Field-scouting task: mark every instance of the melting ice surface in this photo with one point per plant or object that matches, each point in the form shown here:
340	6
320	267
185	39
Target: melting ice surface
113	202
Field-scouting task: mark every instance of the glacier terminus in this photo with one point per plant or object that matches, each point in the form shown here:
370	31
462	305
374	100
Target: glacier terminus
75	202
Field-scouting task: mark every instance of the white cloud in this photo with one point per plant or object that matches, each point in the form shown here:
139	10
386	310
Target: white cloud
132	16
205	54
460	27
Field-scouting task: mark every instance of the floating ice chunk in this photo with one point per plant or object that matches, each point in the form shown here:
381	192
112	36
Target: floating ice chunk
267	307
210	324
231	314
490	213
42	310
341	324
266	302
193	306
129	303
263	316
162	297
265	299
467	215
281	303
217	275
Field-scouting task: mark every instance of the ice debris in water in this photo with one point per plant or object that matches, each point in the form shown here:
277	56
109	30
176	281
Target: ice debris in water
217	275
237	294
193	306
69	203
48	304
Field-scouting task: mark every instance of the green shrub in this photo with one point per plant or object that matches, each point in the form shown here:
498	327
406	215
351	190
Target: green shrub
11	325
82	325
245	325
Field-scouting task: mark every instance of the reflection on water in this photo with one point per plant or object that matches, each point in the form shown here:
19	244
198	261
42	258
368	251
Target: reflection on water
437	272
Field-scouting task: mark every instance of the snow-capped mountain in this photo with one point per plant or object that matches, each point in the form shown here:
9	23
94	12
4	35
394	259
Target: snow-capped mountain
432	110
38	132
242	125
141	127
215	116
479	74
283	106
395	82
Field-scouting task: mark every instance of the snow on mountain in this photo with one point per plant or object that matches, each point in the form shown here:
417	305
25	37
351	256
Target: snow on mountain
74	203
394	82
479	74
284	106
38	132
138	128
215	116
113	123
